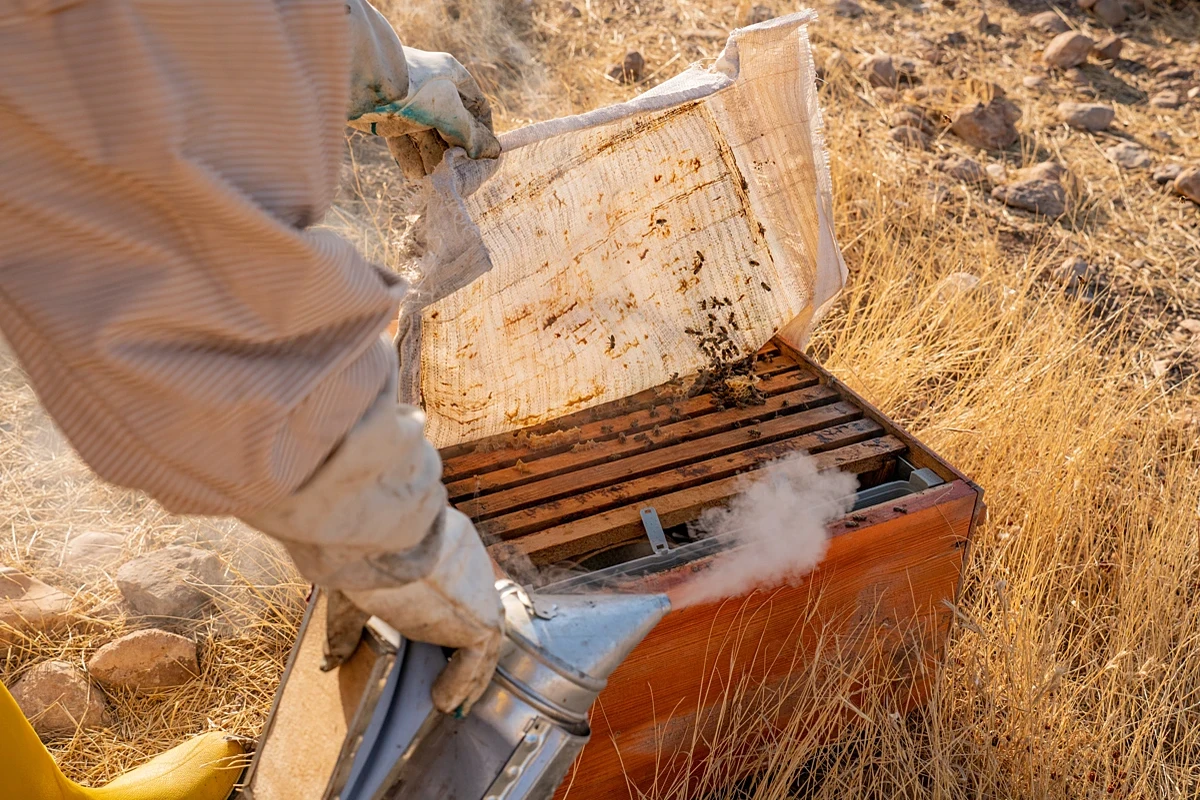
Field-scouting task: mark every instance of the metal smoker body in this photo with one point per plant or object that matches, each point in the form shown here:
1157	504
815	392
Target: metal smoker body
519	739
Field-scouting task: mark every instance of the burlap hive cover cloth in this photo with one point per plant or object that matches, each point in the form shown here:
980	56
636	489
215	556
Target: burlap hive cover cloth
580	268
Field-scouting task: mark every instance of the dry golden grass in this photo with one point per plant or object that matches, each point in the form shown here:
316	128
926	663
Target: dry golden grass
1074	670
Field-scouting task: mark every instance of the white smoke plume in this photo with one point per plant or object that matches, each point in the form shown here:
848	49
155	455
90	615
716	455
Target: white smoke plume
778	526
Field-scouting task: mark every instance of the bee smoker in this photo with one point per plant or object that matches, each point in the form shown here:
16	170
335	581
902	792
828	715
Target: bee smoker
518	741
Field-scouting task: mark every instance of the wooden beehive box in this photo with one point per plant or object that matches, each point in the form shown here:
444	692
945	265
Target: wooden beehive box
575	493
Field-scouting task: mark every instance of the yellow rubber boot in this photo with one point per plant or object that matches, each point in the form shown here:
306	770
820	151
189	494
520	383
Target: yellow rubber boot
203	768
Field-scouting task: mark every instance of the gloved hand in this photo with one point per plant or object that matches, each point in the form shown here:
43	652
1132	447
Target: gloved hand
372	522
420	102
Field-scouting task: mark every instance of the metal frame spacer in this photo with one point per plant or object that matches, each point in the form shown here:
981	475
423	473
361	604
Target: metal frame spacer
654	531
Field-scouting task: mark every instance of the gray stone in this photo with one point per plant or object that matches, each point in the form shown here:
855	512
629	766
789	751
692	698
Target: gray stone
913	120
29	606
1109	49
1128	155
1167	98
1043	171
170	582
966	170
1188	184
1167	173
1086	116
991	127
631	69
1072	272
93	549
880	70
848	8
909	137
1176	74
149	659
1046	198
1048	22
1033	81
760	14
58	699
1067	50
1110	12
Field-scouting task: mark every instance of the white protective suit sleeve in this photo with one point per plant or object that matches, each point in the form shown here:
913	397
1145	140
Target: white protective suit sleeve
187	329
373	523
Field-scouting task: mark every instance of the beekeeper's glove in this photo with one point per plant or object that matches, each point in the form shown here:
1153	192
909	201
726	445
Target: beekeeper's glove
373	523
420	102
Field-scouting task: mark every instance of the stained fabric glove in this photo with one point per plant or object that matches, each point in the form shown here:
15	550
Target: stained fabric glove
420	102
372	523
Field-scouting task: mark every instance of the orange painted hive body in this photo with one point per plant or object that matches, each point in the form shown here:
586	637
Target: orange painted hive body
574	493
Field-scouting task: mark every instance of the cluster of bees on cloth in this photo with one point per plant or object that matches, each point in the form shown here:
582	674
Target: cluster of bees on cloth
729	375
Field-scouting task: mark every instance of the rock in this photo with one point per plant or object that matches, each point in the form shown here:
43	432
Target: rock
1193	93
1076	76
848	8
1192	326
997	173
1188	184
1067	50
954	39
1033	81
631	70
880	70
1109	48
1086	116
1128	155
1176	74
1167	173
93	549
58	699
760	14
149	659
991	127
1110	12
1048	22
1043	171
986	26
913	120
1167	98
966	170
29	606
909	137
570	9
906	69
170	582
1046	198
1086	5
956	285
1072	272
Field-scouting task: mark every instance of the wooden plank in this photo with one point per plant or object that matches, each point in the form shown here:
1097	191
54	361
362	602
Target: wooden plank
766	364
639	462
582	504
920	455
622	524
499	453
878	593
659	436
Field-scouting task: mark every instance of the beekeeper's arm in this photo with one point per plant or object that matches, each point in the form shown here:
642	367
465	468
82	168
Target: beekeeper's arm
188	330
